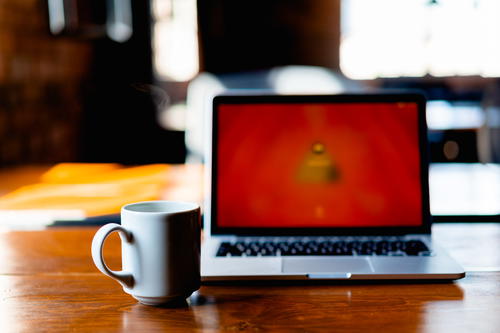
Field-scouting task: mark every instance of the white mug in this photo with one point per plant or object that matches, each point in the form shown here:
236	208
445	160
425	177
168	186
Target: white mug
160	250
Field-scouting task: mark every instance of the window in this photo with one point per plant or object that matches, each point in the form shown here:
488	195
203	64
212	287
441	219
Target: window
175	41
413	38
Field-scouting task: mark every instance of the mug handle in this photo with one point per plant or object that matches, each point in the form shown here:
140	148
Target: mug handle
124	278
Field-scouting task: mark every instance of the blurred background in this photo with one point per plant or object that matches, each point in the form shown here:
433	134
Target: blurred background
122	81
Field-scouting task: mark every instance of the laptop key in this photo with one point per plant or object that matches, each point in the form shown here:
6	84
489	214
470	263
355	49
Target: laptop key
223	249
249	252
292	252
240	246
396	245
222	252
415	247
324	251
266	252
310	251
382	252
235	252
395	254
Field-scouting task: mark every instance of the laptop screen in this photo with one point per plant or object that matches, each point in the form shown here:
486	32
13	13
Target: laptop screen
338	164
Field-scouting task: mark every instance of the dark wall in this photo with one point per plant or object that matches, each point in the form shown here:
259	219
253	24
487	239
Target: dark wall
40	81
75	96
120	119
250	35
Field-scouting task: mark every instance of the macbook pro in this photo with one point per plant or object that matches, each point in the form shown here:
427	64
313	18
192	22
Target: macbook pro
320	187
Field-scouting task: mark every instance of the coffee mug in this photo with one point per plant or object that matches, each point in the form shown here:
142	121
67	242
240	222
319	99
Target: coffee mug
160	250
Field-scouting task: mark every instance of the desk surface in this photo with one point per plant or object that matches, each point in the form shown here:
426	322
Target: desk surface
48	282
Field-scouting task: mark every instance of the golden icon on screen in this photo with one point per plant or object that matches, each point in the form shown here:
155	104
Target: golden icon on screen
318	166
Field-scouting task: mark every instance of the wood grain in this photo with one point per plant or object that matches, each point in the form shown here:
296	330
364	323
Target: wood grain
56	250
49	283
93	302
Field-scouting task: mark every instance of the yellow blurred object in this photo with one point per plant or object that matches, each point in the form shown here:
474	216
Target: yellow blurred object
101	189
67	172
318	166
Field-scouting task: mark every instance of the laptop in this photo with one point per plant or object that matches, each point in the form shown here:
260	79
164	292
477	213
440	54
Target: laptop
330	187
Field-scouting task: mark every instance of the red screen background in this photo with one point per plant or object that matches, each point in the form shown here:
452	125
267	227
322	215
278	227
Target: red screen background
366	175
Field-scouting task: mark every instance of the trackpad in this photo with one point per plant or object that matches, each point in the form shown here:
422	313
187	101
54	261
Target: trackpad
326	265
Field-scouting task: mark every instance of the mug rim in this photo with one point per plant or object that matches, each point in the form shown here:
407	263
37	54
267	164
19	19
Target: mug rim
185	207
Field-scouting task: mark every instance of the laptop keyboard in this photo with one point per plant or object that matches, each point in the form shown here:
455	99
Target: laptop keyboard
324	248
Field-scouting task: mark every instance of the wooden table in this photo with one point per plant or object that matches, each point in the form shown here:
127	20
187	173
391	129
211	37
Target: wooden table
49	283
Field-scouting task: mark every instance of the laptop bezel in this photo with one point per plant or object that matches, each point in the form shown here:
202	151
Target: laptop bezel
211	207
